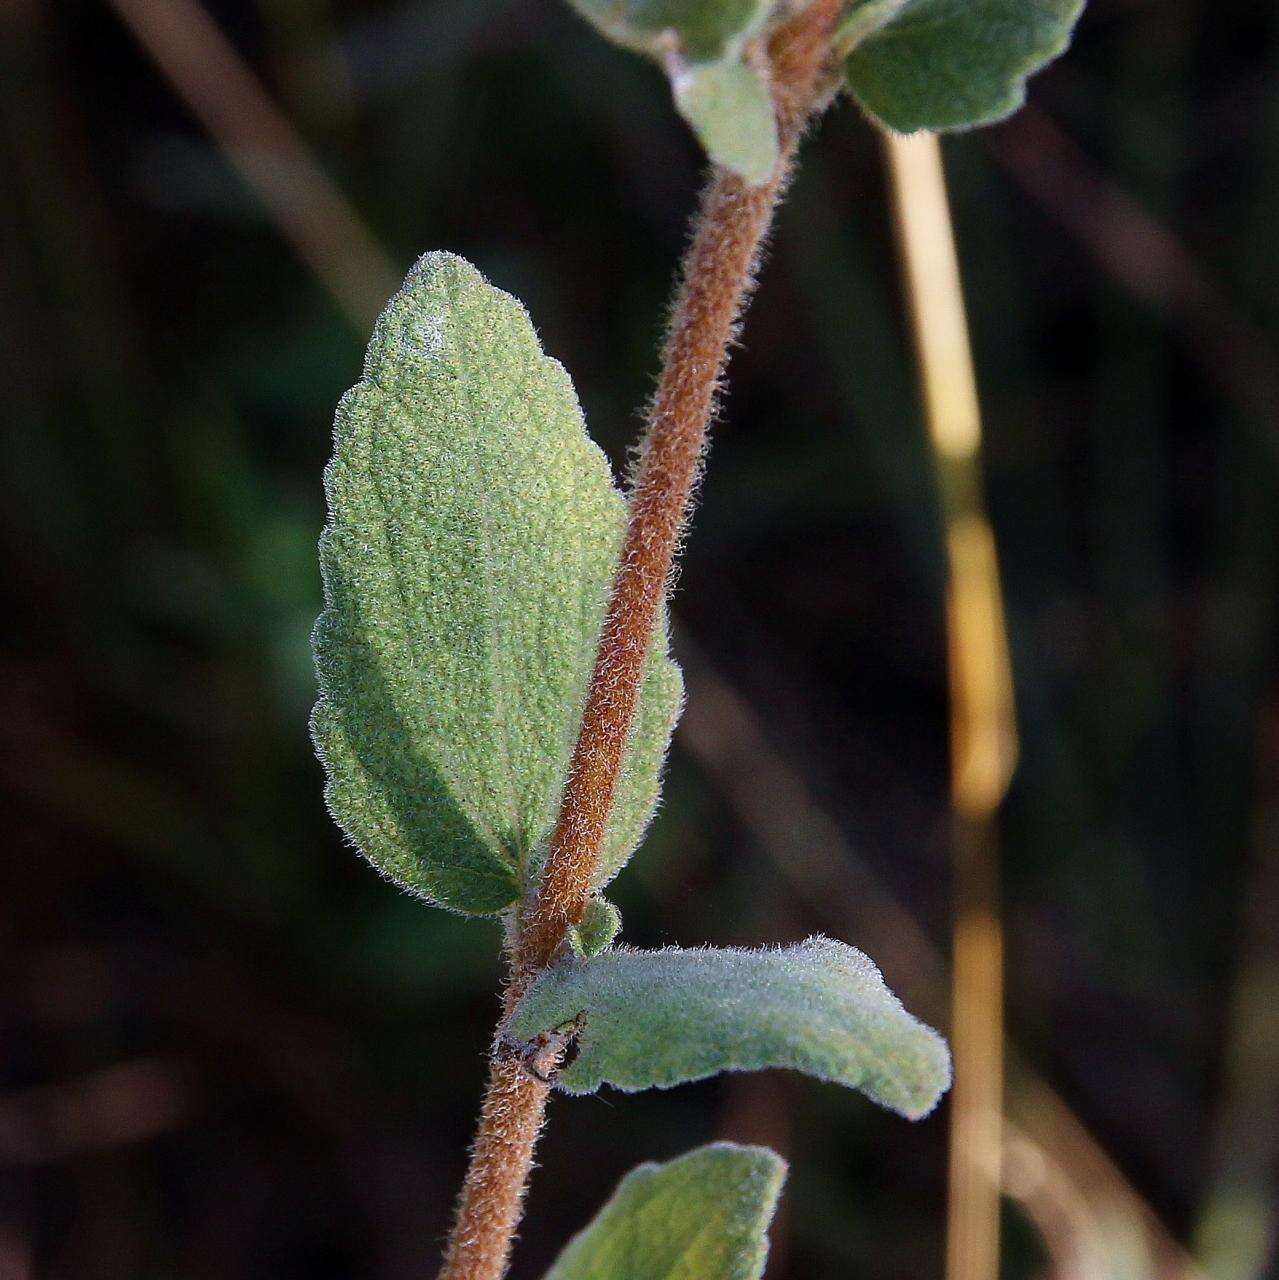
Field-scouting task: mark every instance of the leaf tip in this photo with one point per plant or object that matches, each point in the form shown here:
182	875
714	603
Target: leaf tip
601	922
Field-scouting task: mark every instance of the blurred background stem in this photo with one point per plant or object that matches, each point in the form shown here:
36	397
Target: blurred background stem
265	148
983	739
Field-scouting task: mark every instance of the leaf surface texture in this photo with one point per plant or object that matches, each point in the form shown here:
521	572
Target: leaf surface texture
951	64
702	1216
660	1018
473	533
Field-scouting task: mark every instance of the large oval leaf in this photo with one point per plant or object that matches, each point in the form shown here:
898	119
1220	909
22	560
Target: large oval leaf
951	64
659	1018
703	1216
473	534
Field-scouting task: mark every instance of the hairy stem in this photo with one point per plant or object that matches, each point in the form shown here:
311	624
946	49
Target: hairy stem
717	277
501	1157
718	272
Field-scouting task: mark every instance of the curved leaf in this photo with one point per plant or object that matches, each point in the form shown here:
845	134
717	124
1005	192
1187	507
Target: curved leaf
703	1216
951	64
652	1019
472	537
601	922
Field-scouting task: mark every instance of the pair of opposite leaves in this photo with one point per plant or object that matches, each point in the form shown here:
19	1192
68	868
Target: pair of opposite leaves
474	530
473	534
910	64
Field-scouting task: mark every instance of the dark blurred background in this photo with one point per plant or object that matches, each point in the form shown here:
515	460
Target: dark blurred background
229	1049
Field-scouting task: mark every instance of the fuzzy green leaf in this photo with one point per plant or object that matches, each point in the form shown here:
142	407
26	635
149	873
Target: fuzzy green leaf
702	1216
472	537
951	64
730	110
652	1019
601	922
700	30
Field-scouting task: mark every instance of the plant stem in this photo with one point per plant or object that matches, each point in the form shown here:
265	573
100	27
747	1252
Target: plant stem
717	278
493	1195
262	144
718	272
983	721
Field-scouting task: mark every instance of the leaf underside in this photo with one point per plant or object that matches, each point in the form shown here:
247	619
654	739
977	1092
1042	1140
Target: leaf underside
653	1019
473	533
702	1216
953	64
730	109
700	44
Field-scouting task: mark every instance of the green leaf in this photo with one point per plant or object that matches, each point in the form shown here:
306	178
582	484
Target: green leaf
699	43
864	19
473	533
659	1018
951	64
731	111
601	922
702	1216
699	30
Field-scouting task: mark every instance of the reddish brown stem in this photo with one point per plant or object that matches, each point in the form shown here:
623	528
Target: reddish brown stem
717	276
493	1195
